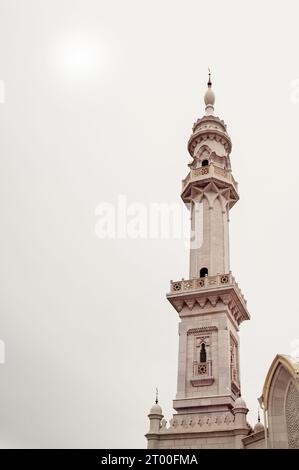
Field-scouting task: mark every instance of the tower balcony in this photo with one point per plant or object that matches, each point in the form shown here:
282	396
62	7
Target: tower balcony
200	176
207	282
208	291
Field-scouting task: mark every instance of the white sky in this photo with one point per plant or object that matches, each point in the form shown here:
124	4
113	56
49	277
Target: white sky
100	98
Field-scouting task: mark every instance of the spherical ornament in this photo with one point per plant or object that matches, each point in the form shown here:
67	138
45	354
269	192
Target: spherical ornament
209	97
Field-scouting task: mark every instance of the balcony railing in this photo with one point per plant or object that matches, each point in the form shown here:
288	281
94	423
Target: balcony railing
211	170
201	282
207	282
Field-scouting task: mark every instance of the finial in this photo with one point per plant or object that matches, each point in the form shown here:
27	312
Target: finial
209	97
157	396
258	415
209	82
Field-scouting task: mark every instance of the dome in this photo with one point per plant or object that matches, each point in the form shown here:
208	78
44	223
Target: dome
258	427
209	97
156	409
240	403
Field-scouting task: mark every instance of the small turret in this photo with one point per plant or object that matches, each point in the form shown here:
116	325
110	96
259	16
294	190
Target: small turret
240	411
155	416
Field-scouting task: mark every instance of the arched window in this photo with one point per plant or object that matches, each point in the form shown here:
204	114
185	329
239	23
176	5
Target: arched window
203	353
205	163
203	272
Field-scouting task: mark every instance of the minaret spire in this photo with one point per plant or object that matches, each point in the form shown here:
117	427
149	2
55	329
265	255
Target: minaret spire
157	396
209	82
209	97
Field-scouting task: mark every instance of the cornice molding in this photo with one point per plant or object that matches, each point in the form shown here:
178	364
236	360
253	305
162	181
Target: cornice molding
211	298
203	135
202	329
208	118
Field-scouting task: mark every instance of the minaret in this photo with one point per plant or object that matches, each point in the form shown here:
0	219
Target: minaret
210	303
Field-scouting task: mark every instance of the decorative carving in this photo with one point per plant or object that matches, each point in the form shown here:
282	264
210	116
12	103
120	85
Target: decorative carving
179	306
202	368
212	290
225	299
190	303
209	118
202	135
213	299
176	286
199	175
202	302
202	329
200	423
201	171
192	284
292	417
234	366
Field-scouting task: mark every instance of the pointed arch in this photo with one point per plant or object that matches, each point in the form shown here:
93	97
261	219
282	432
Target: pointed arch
289	364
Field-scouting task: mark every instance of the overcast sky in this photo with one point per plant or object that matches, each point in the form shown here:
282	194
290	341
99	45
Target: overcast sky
99	101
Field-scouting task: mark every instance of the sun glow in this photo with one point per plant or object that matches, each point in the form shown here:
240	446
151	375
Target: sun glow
79	57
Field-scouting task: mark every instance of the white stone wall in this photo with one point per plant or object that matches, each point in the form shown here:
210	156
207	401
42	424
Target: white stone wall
212	442
217	327
214	251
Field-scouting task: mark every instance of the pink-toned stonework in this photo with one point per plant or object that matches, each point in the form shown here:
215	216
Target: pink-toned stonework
210	412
